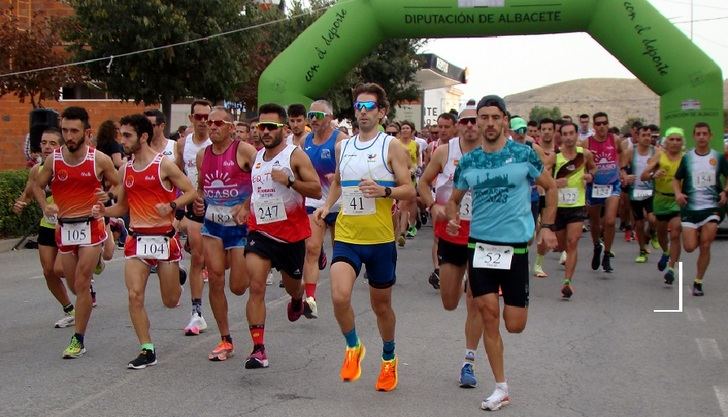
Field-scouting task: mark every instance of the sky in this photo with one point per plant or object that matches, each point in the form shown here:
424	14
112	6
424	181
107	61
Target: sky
557	52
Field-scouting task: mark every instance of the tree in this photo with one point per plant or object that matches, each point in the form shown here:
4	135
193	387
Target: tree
540	112
212	68
628	124
393	64
25	48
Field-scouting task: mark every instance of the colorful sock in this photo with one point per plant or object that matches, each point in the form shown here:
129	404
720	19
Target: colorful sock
388	350
79	337
67	309
257	333
566	281
352	340
148	346
310	290
469	356
227	338
197	306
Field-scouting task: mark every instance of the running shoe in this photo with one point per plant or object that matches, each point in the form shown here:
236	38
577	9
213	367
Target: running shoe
562	259
196	325
538	271
351	368
257	359
146	358
467	376
280	283
497	399
669	276
323	260
642	258
310	310
434	280
566	290
153	269
74	349
606	265
662	263
628	236
610	253
100	266
401	241
698	289
411	232
596	256
387	380
222	351
93	294
182	276
654	242
68	320
294	315
269	280
423	217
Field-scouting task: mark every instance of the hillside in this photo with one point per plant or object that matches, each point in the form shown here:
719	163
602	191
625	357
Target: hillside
619	98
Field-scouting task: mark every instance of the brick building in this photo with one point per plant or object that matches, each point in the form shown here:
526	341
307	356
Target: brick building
14	115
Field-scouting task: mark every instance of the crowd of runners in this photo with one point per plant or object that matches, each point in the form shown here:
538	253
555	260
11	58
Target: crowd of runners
243	198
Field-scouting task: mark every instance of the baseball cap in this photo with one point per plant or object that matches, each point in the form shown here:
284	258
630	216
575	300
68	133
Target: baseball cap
492	100
674	130
518	123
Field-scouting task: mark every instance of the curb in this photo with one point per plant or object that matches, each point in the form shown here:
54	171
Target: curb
6	245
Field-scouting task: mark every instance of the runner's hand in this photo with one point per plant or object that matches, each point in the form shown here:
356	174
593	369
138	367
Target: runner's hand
320	214
562	182
19	206
163	209
681	199
101	195
198	207
98	210
51	210
437	211
723	198
659	173
453	227
548	238
240	213
370	188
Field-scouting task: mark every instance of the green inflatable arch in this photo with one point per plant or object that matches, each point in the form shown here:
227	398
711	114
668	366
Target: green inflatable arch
689	83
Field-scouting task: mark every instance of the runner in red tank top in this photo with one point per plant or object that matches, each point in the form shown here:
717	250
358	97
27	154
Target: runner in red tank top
77	174
148	195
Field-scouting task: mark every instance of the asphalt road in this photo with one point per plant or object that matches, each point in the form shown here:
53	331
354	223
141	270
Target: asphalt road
603	353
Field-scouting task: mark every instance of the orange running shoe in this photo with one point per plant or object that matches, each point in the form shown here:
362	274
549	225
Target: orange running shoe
351	368
387	380
222	351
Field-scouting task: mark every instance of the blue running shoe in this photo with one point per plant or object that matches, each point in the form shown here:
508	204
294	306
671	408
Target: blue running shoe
662	263
669	276
467	377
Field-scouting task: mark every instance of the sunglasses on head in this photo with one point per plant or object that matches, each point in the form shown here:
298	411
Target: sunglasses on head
318	115
362	105
465	120
218	123
601	123
270	126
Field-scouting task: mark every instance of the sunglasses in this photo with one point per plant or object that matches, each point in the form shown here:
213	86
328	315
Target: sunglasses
465	120
270	126
199	117
218	123
392	132
362	105
318	115
601	123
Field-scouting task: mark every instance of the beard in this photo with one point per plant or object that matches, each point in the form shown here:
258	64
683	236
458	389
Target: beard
75	147
493	136
277	139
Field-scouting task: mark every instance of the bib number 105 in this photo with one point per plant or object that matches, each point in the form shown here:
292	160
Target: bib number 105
76	234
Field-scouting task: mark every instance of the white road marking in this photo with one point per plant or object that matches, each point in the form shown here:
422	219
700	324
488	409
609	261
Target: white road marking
695	314
722	394
709	348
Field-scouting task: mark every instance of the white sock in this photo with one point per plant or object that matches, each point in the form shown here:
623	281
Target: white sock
503	386
469	356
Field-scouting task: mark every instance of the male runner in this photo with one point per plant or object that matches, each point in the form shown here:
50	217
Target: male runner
701	196
452	251
278	226
150	181
372	171
224	185
497	174
604	191
546	150
634	162
186	159
297	123
662	168
76	175
320	146
50	140
573	169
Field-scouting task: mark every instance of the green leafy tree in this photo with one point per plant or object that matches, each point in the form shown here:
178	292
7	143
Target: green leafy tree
212	68
540	112
26	48
628	124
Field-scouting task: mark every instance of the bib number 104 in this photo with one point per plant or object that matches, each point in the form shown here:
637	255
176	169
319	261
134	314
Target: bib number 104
153	247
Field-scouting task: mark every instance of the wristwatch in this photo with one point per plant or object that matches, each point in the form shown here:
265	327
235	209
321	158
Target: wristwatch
291	180
173	205
387	192
549	226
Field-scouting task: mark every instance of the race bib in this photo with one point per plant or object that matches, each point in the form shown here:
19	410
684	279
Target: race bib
221	215
492	256
152	247
270	210
354	203
76	234
466	207
568	195
640	195
704	179
601	191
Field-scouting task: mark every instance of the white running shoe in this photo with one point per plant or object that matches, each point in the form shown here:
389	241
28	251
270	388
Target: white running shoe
196	325
310	310
562	259
497	399
67	321
269	280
